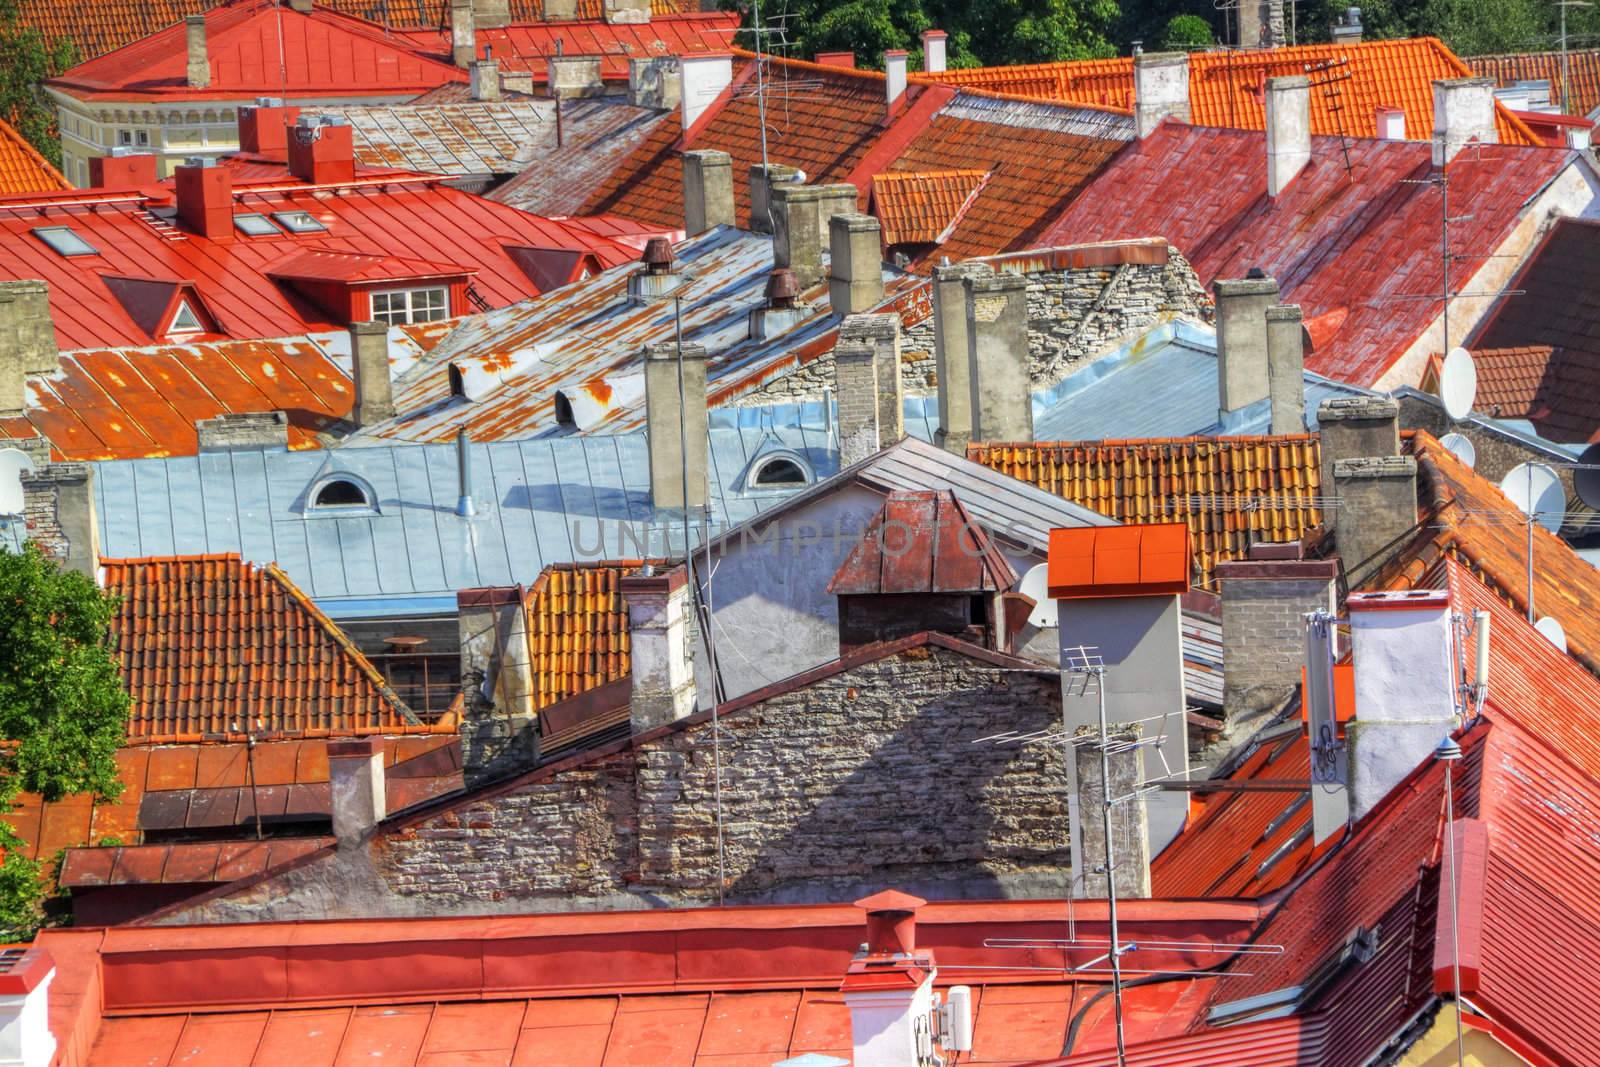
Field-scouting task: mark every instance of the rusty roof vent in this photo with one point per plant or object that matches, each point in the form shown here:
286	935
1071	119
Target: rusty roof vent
660	276
658	255
782	310
783	289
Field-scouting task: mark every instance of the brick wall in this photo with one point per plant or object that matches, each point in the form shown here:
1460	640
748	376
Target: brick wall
870	777
1263	641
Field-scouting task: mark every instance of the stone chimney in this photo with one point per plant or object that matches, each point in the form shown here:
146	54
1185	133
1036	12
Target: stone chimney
1160	89
1347	29
199	70
707	190
264	128
204	192
25	325
763	177
1288	130
1377	507
705	76
855	385
627	12
855	267
933	51
672	432
1405	688
998	374
882	333
888	987
1463	111
797	232
1130	825
25	1037
575	77
356	787
1391	123
1351	427
894	83
244	431
1242	374
369	366
1261	24
124	171
486	80
1264	602
58	503
1286	368
463	33
950	354
498	723
655	83
491	14
660	646
322	150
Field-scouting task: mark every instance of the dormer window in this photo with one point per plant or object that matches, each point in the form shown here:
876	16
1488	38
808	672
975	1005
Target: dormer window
341	493
184	320
778	471
398	307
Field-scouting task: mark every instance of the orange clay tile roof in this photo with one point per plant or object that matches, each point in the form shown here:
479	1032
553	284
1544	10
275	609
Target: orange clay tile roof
1226	87
1583	66
1232	491
22	168
918	207
577	628
212	645
100	26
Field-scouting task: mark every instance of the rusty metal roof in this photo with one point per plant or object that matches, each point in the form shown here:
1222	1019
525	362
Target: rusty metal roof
596	136
470	137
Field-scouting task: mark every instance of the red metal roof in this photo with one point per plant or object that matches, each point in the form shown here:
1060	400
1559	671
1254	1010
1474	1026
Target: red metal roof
318	265
1335	241
1135	560
923	541
415	217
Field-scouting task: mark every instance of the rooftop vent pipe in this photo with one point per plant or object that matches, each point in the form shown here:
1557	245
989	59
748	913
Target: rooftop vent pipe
782	311
660	275
464	506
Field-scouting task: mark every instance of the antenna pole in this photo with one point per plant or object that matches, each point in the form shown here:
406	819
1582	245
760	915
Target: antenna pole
1444	230
1530	542
1106	800
1455	903
1564	71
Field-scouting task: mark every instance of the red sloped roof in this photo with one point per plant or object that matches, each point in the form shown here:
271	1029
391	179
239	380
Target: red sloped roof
1333	240
423	219
917	207
922	541
319	54
318	265
525	46
22	168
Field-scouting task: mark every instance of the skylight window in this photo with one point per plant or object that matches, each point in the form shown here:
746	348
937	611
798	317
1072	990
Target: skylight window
65	241
299	221
256	226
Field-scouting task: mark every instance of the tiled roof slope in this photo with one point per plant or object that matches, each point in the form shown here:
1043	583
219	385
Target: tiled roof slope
1557	305
22	168
824	120
577	629
1227	88
1341	244
1232	491
916	207
212	645
1583	66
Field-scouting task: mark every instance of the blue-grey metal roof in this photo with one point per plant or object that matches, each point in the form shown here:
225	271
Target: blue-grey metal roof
1164	384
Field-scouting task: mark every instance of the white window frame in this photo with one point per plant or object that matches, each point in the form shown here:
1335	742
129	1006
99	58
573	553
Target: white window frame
176	330
409	309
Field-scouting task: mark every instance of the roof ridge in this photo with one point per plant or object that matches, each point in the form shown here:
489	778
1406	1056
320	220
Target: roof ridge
195	557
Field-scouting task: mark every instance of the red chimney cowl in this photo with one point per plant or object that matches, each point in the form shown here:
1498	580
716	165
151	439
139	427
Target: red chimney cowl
658	255
891	922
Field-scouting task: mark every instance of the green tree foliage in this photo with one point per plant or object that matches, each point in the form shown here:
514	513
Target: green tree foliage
26	59
63	711
1186	33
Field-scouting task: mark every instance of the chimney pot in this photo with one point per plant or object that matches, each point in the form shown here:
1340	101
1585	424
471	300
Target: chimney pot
1288	130
659	278
356	787
889	986
658	255
670	435
782	290
369	364
659	647
1463	112
707	190
1160	89
933	51
199	65
891	922
855	269
205	199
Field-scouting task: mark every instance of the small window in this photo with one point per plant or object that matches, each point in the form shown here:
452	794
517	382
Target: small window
256	226
299	221
186	321
780	473
400	306
341	493
124	136
65	240
142	137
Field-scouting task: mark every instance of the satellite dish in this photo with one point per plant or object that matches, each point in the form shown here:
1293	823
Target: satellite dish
1463	449
13	463
1036	584
1587	482
1552	631
1458	384
1536	490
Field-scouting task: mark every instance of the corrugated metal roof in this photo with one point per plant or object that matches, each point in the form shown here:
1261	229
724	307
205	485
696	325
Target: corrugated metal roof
596	136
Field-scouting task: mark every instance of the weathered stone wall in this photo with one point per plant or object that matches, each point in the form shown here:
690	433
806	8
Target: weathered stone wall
868	778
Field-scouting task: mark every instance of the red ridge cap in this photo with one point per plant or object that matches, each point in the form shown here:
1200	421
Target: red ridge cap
1470	838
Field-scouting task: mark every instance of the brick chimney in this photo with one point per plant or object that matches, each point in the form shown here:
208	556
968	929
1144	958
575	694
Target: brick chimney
1377	508
1391	123
707	190
1130	824
575	77
118	171
25	1037
243	431
1351	427
894	83
1286	368
29	332
58	501
655	83
356	787
1160	89
627	12
855	267
855	385
998	374
1463	111
1242	364
705	76
264	128
1405	688
933	51
485	80
672	432
950	354
888	987
882	334
498	724
1264	602
660	647
1288	130
322	150
763	177
463	33
369	366
205	198
199	67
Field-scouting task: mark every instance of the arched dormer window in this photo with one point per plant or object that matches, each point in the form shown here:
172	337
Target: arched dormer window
778	471
341	494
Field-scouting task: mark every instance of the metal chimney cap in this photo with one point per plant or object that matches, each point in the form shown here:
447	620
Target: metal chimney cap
1255	273
783	288
1448	751
658	255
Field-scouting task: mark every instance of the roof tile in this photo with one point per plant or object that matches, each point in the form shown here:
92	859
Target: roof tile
22	168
